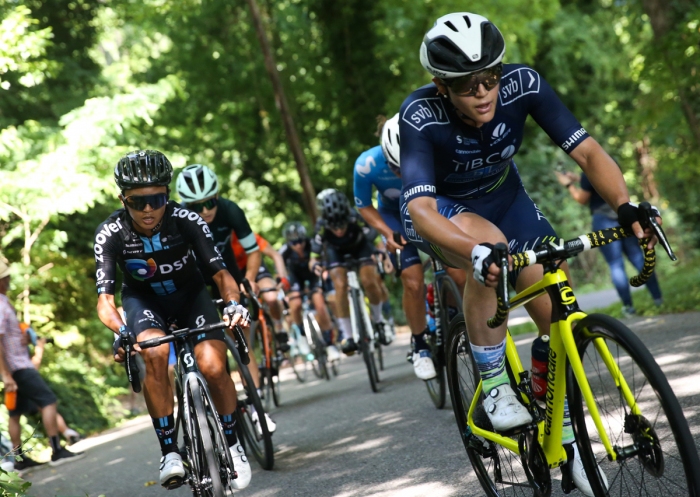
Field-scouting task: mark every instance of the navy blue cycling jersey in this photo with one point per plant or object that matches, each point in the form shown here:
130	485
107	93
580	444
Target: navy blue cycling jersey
371	170
440	154
161	264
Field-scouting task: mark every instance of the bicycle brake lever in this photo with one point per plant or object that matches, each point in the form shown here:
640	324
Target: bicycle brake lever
500	252
131	367
650	217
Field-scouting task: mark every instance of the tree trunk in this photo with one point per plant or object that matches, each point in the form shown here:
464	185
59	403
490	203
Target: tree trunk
309	194
647	166
664	16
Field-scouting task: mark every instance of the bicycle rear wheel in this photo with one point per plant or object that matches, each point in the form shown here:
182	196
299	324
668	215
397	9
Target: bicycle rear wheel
656	450
208	462
254	440
499	471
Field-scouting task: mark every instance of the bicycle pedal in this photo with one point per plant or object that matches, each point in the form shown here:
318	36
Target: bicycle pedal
173	483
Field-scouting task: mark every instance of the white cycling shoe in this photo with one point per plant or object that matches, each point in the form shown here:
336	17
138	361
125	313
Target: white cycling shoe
423	365
241	466
172	472
271	425
580	477
332	353
303	346
504	409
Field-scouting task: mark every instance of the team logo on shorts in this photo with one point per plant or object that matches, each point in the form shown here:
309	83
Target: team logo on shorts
139	269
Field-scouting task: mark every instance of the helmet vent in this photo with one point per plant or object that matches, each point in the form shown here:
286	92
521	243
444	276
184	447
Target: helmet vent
451	26
468	21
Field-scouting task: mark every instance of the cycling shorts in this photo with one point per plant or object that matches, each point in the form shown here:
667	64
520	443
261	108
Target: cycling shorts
298	277
187	308
510	208
263	272
363	252
409	254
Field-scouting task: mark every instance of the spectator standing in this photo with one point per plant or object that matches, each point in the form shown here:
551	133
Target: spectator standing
604	217
20	375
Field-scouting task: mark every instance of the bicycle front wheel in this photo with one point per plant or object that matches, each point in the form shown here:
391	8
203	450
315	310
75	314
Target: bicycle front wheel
450	306
315	339
365	344
656	453
500	471
208	462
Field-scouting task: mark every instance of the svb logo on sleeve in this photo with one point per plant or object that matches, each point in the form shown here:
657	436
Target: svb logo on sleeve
518	83
424	112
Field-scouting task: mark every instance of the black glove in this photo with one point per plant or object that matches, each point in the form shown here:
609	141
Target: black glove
482	258
233	308
629	213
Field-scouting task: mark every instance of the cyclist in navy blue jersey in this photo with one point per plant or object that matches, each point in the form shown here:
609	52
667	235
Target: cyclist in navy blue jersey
462	192
154	243
378	168
340	232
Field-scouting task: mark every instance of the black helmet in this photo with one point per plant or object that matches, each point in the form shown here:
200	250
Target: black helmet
142	168
333	207
294	231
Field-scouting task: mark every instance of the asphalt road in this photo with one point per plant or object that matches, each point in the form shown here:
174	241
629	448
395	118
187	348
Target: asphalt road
338	439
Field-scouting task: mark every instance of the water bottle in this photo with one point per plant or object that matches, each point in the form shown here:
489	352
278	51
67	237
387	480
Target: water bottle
540	361
431	323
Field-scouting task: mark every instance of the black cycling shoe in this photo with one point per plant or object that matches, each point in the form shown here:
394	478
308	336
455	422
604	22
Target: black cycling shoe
348	346
382	336
282	338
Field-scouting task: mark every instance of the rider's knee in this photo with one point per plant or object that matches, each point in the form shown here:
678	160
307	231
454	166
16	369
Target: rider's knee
413	286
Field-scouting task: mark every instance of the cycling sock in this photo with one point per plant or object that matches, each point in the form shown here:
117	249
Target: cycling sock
328	337
165	427
491	360
376	312
419	342
228	423
345	326
567	431
278	325
55	443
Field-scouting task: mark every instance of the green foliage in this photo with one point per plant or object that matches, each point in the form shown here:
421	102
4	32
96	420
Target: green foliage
11	485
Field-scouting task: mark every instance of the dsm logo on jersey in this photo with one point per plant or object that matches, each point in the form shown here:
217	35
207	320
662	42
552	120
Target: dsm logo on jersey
139	269
424	112
518	83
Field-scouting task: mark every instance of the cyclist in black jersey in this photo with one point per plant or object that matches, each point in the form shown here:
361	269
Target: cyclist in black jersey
154	242
198	187
462	191
296	253
339	232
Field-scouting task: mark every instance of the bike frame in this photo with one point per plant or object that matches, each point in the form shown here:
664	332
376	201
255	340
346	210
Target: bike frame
439	272
562	346
355	292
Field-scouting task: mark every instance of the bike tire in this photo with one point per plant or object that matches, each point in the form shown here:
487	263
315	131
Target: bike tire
208	460
267	376
437	387
260	445
365	342
666	462
299	364
487	458
378	352
320	363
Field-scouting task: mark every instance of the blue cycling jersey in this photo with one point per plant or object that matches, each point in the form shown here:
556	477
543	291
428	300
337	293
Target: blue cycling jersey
440	154
371	169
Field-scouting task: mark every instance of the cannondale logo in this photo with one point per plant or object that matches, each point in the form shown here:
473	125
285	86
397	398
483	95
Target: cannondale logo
139	269
500	129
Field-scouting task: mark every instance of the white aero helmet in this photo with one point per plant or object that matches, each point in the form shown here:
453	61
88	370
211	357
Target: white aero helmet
461	43
196	182
391	143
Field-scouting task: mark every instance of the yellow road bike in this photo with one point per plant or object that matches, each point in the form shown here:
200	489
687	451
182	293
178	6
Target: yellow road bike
627	420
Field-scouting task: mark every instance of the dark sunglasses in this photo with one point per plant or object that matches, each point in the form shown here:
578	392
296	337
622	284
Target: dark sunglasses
296	242
139	202
200	206
468	86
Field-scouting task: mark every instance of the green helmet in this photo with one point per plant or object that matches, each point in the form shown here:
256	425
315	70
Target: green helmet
195	183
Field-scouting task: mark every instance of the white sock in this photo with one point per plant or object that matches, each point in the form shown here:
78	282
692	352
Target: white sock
345	326
278	325
376	312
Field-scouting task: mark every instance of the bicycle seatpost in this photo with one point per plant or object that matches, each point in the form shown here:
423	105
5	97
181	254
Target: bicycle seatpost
650	217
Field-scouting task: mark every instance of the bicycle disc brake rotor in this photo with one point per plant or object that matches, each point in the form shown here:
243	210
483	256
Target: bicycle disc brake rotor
535	464
647	442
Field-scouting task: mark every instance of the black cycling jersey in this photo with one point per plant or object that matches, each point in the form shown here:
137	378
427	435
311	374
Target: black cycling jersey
292	260
160	264
356	235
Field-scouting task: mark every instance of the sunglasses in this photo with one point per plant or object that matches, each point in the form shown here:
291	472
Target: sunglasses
139	202
468	86
200	206
296	242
